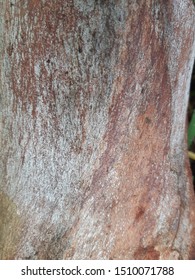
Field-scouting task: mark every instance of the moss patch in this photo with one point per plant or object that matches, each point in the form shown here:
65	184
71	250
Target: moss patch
10	227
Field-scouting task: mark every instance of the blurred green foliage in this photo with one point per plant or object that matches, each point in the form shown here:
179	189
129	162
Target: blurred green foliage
191	130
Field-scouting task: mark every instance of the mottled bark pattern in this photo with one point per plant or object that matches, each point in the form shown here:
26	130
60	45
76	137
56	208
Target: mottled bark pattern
93	153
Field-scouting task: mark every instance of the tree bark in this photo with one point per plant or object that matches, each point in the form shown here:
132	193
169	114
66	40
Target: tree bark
93	98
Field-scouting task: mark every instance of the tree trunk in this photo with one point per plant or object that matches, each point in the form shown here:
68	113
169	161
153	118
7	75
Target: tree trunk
93	136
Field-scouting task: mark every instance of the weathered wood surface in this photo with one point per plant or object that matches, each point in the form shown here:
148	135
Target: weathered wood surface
93	152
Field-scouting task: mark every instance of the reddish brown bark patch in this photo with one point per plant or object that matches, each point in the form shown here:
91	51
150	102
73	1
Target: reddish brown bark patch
148	253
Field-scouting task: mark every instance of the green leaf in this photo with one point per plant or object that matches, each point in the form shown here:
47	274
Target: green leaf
191	130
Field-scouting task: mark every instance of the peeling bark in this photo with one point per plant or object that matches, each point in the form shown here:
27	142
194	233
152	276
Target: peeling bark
93	152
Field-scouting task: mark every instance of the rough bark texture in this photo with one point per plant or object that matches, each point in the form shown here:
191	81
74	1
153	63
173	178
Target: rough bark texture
93	151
